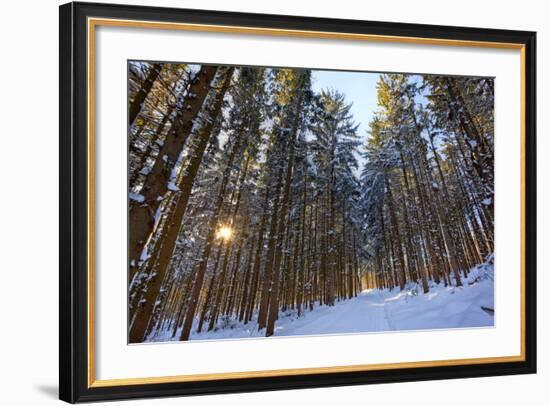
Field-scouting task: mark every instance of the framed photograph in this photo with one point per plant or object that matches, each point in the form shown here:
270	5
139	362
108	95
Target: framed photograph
255	202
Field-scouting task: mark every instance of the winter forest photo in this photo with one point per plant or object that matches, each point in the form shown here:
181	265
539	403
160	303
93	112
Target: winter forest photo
284	202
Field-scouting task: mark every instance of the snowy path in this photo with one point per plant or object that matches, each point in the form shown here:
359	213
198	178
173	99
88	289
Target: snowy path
365	313
377	310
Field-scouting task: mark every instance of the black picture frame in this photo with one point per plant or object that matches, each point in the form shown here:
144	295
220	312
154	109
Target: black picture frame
73	283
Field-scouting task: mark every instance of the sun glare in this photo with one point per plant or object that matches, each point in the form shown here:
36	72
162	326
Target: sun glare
225	232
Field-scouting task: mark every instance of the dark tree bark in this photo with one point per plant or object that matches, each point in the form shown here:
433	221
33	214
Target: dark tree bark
143	92
186	182
142	213
274	294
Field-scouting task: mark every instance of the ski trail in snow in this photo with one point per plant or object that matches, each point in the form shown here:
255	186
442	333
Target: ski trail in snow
387	315
365	313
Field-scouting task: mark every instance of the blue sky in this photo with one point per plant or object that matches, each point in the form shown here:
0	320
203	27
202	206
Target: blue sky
359	89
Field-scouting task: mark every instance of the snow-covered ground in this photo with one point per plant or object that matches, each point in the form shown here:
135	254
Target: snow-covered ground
376	310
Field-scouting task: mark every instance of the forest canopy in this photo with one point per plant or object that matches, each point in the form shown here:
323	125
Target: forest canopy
252	193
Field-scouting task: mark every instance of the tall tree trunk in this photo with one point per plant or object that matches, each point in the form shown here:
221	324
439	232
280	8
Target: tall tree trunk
301	269
274	294
395	228
258	255
141	95
185	185
207	306
266	285
142	209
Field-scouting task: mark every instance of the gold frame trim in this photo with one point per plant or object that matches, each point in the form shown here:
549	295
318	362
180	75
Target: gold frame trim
94	22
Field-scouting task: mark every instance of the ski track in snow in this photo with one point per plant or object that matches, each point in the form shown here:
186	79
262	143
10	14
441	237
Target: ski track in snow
375	310
365	313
